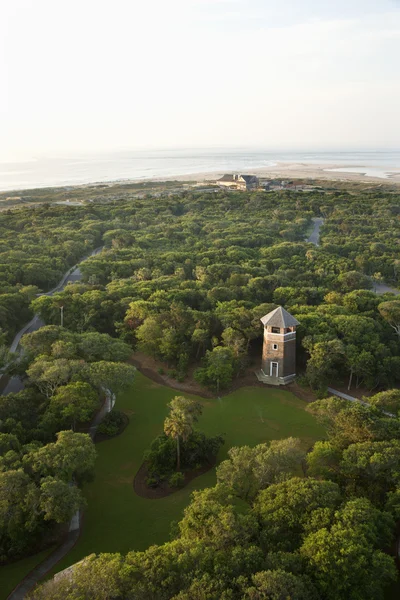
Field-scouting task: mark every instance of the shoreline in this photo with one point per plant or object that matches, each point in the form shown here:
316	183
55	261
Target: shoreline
281	169
297	170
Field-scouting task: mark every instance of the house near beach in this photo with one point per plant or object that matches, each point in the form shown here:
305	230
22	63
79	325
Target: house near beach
239	182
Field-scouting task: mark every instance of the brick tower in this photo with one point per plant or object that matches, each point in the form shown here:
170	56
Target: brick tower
278	364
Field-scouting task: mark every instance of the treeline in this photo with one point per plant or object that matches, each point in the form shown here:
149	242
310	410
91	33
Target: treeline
263	532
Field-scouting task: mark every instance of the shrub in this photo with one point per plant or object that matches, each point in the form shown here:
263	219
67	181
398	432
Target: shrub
111	423
302	381
197	451
161	457
177	479
161	371
152	482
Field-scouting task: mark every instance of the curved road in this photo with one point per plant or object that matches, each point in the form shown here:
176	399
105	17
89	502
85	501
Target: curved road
314	237
74	274
379	288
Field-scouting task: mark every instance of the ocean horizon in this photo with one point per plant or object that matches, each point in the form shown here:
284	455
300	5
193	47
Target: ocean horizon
140	165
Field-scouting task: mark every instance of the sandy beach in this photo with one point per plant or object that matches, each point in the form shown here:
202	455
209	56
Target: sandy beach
297	170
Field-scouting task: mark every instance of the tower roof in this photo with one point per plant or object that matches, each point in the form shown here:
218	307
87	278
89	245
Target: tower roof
279	318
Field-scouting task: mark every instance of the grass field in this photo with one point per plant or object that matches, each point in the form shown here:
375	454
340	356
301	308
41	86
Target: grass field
116	520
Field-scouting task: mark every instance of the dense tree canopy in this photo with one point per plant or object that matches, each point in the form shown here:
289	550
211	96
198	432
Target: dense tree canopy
184	275
185	279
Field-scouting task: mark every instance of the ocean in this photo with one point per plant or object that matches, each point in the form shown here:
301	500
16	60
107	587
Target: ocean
141	165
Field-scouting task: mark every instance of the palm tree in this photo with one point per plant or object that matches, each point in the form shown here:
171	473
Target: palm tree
179	424
178	427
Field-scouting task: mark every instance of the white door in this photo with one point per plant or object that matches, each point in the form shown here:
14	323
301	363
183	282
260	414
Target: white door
273	369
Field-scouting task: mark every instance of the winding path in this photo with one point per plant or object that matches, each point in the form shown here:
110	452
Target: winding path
379	288
14	385
73	275
75	526
314	237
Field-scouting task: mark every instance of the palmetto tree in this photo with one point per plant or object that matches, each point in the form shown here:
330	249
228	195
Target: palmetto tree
179	424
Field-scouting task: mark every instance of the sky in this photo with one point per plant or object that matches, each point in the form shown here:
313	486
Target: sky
104	75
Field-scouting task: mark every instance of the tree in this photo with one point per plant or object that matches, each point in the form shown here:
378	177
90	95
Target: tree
219	368
212	517
71	457
372	468
343	562
350	423
110	375
233	339
18	516
390	311
75	401
59	501
290	510
8	442
324	461
324	360
149	336
49	375
102	577
179	424
388	401
96	346
40	341
249	470
353	280
7	358
279	585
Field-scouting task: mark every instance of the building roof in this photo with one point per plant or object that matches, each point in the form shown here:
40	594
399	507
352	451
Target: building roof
249	178
279	318
235	178
226	178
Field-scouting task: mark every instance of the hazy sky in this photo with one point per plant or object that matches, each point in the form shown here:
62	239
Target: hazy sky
94	75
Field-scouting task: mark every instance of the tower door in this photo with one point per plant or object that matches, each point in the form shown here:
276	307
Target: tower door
274	369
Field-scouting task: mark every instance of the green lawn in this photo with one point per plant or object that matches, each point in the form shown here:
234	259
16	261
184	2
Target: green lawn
116	520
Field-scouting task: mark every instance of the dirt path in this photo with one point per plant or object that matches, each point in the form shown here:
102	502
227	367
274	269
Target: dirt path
150	368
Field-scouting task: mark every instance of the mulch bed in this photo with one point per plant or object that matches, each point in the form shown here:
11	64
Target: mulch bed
149	367
142	489
102	437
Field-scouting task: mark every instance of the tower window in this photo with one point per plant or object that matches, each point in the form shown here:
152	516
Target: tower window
274	346
275	330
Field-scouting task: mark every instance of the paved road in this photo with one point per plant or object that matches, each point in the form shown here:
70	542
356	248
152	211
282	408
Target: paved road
314	237
40	571
15	384
382	288
379	288
353	399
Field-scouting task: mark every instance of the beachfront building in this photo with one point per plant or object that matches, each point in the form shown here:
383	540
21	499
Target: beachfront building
278	365
239	182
